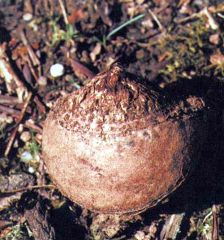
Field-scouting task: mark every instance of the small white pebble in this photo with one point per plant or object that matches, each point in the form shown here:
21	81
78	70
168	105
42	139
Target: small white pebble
140	1
57	70
37	157
39	136
147	23
9	119
214	39
33	25
20	129
42	81
15	144
31	121
31	170
49	104
27	17
95	52
152	230
140	235
5	119
25	136
26	157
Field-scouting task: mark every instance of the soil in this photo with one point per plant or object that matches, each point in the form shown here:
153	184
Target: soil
174	45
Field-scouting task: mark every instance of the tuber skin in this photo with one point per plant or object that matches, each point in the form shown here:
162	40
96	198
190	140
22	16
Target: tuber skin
119	146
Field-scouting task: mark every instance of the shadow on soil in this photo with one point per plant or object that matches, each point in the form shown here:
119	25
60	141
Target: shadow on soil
65	224
205	186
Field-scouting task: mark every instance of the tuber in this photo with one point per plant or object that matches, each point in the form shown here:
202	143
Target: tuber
118	145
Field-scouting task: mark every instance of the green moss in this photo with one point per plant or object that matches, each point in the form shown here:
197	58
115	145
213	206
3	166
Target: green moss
186	49
59	34
18	232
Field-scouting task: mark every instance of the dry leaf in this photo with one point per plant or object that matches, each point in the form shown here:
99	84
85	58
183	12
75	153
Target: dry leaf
96	51
217	59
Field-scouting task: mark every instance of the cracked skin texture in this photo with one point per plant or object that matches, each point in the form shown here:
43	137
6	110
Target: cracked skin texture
118	146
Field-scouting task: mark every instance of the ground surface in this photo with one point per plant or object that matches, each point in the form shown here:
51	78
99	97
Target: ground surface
164	42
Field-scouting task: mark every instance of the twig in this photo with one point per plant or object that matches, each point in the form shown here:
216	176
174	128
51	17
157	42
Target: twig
204	12
29	72
9	75
63	11
13	135
172	226
26	189
155	18
10	111
220	15
4	224
5	99
189	18
207	216
104	13
24	108
31	53
33	126
41	107
219	8
215	223
15	113
212	23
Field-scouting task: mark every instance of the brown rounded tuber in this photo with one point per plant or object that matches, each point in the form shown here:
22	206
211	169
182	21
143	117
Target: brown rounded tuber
117	145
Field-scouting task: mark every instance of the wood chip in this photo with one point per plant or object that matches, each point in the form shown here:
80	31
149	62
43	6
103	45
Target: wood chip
10	183
172	226
37	219
80	70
